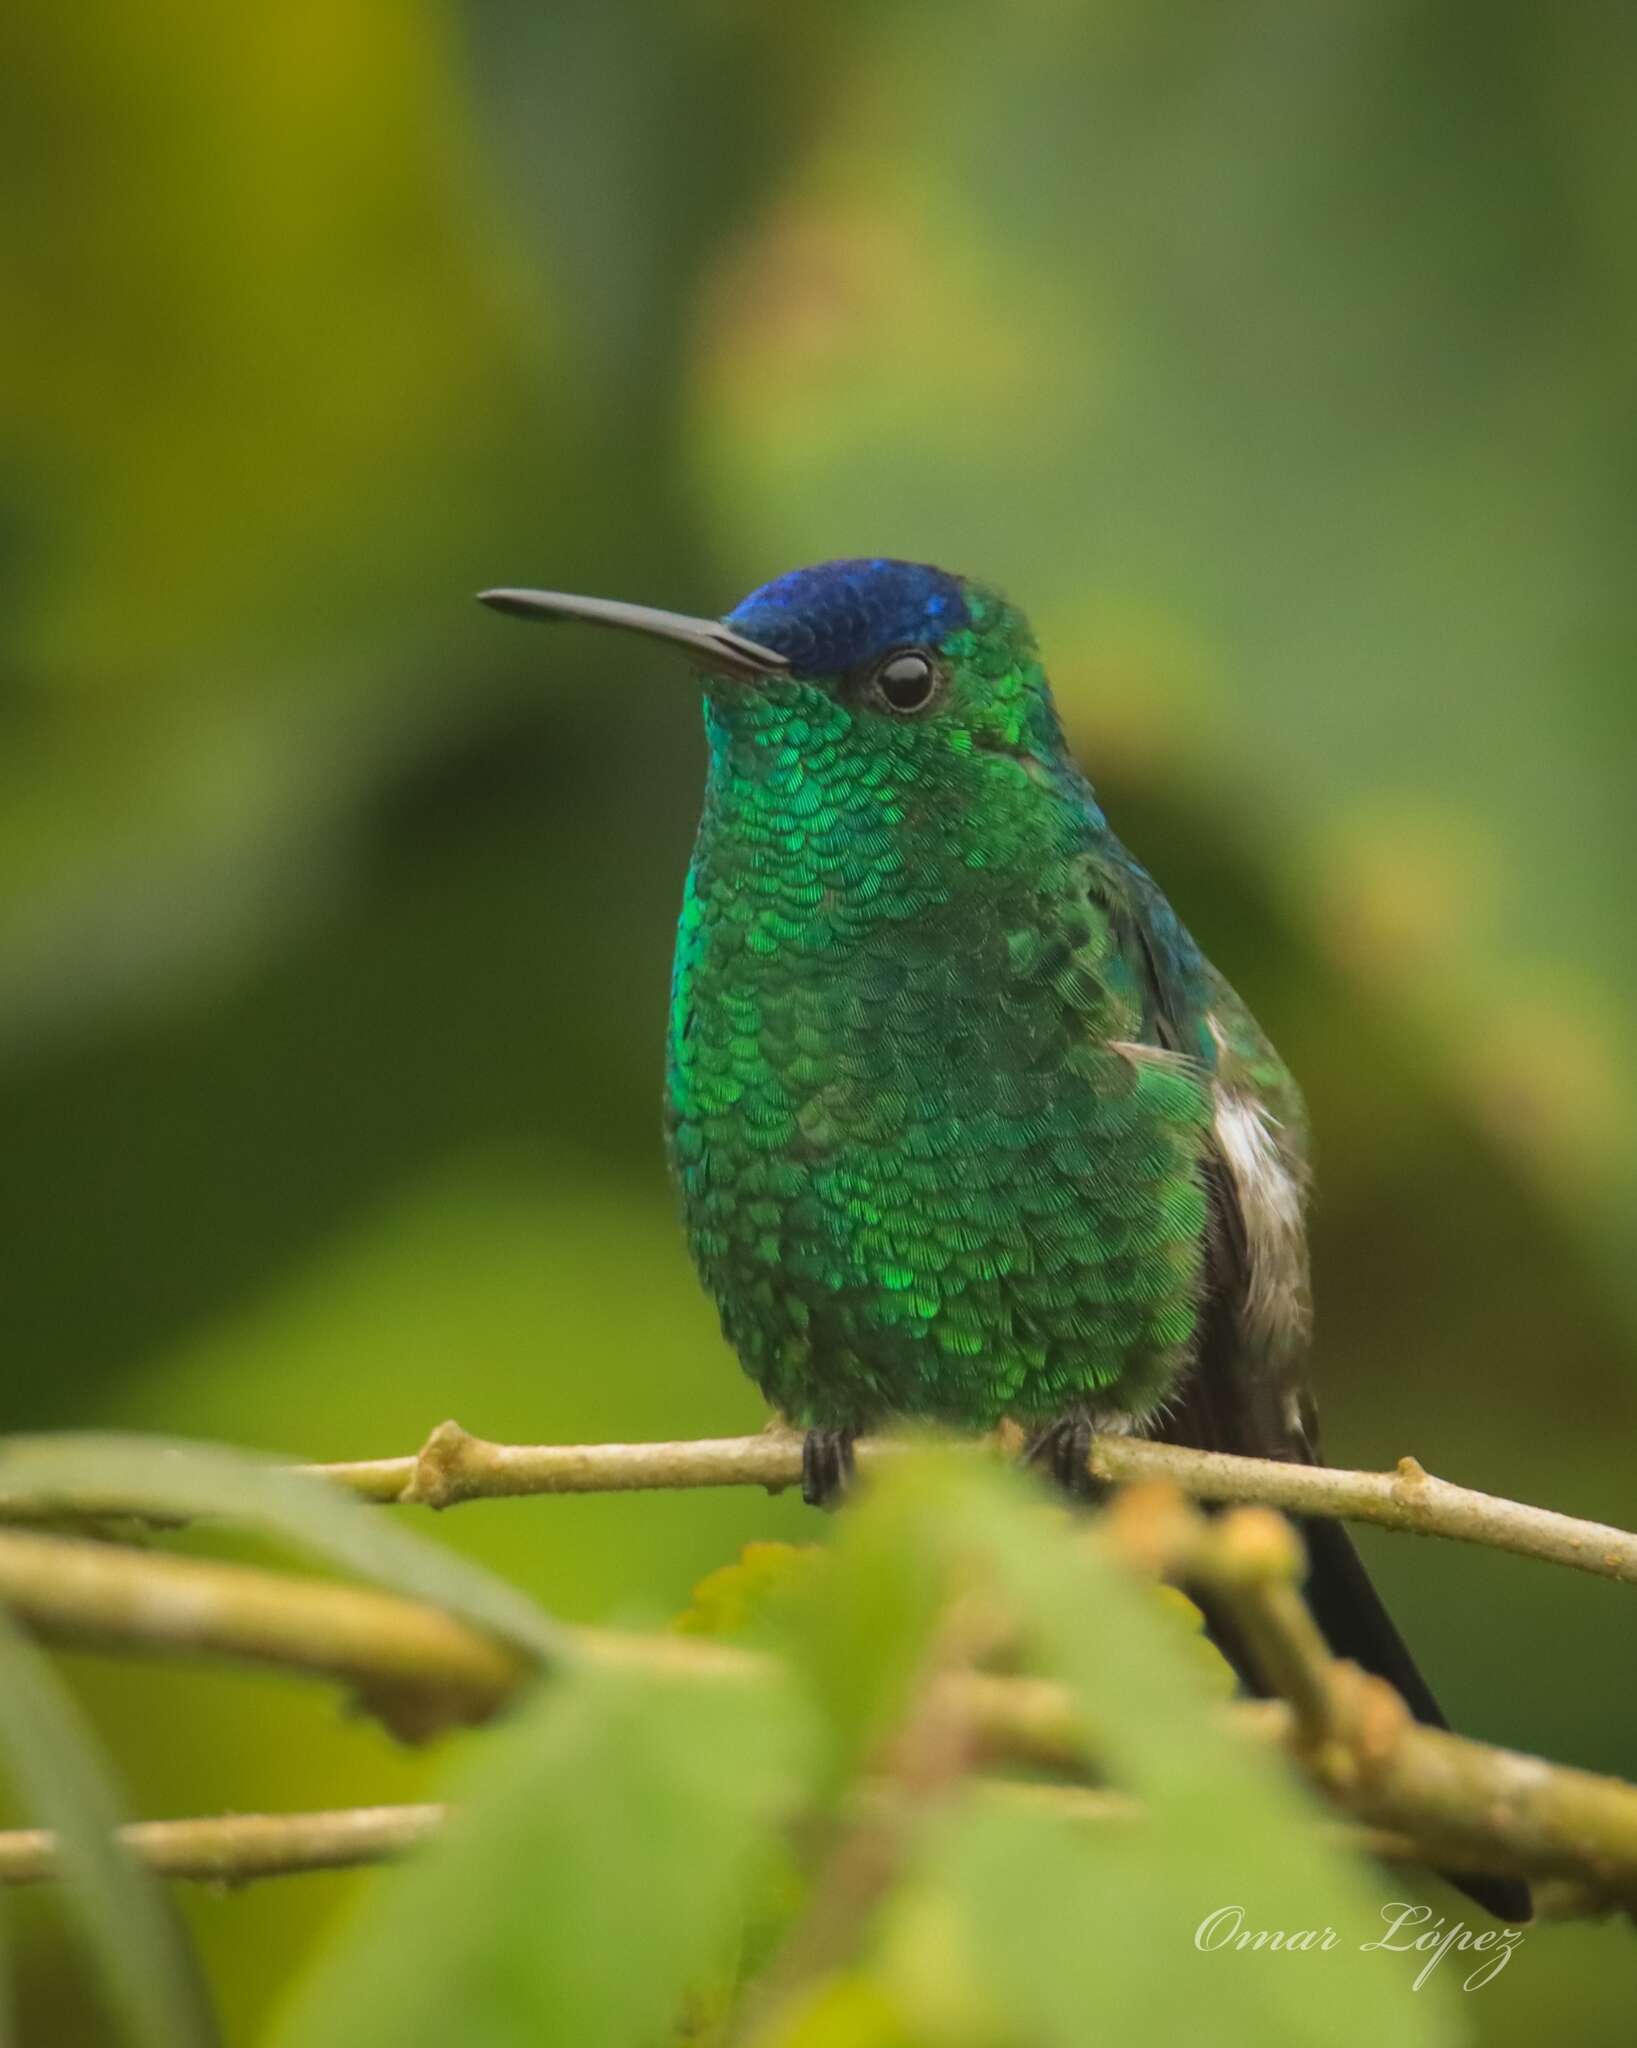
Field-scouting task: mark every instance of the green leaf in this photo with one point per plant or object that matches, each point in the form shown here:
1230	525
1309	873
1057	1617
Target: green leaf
850	2011
1049	1928
859	1632
155	1475
599	1870
739	1597
137	1940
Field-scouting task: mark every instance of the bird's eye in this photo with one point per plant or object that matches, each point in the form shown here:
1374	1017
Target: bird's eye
906	681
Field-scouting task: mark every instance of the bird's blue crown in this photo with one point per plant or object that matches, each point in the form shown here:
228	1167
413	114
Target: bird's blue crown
840	614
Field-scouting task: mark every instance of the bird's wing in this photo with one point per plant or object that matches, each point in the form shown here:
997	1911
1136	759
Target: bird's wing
1249	1391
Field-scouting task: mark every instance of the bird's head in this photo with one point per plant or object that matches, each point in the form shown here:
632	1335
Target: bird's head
871	674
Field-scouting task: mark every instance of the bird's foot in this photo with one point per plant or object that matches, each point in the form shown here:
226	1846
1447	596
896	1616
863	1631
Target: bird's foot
826	1466
1062	1450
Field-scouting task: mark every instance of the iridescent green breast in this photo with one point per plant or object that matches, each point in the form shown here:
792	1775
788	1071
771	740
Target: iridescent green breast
926	1168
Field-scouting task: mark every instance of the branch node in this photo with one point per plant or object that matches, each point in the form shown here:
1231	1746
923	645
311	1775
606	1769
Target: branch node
1256	1546
1377	1717
443	1468
1334	1765
1153	1525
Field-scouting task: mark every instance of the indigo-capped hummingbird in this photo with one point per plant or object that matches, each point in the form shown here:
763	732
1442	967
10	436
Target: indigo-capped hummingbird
966	1126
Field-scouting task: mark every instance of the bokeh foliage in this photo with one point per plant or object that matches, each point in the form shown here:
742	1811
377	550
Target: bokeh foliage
1276	358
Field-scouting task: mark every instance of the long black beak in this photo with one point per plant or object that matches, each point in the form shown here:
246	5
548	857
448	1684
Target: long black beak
715	648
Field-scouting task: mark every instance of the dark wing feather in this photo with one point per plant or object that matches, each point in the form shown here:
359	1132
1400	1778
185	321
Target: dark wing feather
1252	1399
1217	1410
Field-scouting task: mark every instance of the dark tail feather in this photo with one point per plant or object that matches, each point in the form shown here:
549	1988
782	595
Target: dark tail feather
1354	1622
1357	1626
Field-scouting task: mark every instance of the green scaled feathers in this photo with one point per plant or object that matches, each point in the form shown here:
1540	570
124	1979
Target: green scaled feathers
934	1161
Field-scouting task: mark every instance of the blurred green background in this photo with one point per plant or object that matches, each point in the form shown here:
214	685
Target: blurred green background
1278	359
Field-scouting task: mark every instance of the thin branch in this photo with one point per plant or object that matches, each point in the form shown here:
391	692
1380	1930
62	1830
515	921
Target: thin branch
419	1669
454	1466
233	1848
1409	1497
238	1848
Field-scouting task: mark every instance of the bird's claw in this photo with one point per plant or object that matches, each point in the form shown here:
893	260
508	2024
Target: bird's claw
826	1466
1063	1452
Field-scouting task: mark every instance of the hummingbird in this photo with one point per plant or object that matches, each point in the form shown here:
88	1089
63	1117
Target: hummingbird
966	1127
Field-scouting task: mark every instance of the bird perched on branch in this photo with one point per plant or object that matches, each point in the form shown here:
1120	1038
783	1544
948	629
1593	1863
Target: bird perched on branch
965	1124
